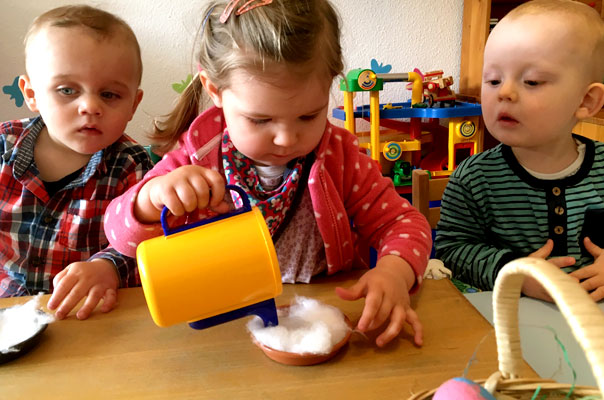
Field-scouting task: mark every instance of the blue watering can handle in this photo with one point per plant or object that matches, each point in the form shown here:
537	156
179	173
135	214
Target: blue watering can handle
243	209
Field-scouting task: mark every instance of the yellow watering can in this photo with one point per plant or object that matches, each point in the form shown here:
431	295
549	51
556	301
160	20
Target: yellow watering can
211	271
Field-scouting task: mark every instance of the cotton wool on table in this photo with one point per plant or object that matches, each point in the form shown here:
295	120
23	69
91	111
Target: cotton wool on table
21	322
307	326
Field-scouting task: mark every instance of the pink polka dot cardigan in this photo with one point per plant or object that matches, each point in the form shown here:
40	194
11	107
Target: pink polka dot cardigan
346	186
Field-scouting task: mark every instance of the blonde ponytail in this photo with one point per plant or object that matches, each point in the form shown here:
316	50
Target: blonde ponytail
167	131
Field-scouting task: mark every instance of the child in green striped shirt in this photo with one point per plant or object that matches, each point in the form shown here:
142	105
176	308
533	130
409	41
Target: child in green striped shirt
541	191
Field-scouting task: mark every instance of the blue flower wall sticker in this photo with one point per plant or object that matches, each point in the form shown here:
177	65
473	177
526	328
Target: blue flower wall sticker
14	92
380	68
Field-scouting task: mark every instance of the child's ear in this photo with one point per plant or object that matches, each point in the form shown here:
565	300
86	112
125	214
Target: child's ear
211	88
137	100
592	101
28	93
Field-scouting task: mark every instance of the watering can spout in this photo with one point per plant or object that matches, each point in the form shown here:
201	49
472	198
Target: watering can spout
267	310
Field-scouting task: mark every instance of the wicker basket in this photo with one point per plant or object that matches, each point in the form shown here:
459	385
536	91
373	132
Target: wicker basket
584	317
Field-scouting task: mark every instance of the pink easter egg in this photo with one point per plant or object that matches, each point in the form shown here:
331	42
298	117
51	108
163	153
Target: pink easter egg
461	389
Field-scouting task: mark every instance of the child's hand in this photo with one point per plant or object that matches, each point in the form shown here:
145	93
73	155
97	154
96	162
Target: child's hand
592	276
386	292
95	280
531	287
182	190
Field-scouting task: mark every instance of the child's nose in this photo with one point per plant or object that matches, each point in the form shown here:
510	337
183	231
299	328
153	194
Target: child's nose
507	91
285	137
90	105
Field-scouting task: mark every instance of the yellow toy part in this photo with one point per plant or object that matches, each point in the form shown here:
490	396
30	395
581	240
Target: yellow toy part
392	151
210	267
464	135
367	79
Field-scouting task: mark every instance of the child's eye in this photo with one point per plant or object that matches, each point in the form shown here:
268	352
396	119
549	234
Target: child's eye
257	121
493	82
109	95
532	83
66	91
308	117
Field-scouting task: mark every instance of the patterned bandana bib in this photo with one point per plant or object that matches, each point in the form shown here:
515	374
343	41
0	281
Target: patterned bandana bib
240	171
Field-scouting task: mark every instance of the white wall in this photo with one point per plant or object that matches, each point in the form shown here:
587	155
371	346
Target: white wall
403	33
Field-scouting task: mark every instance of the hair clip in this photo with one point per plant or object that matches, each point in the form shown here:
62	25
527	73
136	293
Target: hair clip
247	6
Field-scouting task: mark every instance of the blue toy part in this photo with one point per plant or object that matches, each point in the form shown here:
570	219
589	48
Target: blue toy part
404	110
380	68
461	389
246	207
267	310
14	92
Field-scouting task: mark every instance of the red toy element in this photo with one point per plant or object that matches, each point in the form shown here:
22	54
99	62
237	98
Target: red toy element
436	87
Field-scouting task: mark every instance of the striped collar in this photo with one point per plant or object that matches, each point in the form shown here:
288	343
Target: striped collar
524	175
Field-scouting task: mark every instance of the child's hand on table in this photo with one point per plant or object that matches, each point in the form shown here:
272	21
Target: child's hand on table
386	292
182	190
531	287
592	276
96	280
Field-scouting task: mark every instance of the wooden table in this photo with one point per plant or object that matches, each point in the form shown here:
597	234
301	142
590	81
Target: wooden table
123	354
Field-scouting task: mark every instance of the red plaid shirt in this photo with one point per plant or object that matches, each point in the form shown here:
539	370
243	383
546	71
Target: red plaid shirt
41	235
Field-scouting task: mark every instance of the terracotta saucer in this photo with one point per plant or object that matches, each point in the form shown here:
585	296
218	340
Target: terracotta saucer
288	358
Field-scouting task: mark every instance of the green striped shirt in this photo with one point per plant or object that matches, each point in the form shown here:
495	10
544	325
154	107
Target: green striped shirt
494	211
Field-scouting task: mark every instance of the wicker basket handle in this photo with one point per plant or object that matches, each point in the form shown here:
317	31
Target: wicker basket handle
582	314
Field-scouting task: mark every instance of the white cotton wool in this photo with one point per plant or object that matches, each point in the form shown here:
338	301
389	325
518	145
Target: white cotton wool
21	322
309	327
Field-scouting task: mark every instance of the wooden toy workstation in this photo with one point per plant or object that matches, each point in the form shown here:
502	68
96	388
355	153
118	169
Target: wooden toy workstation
409	135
